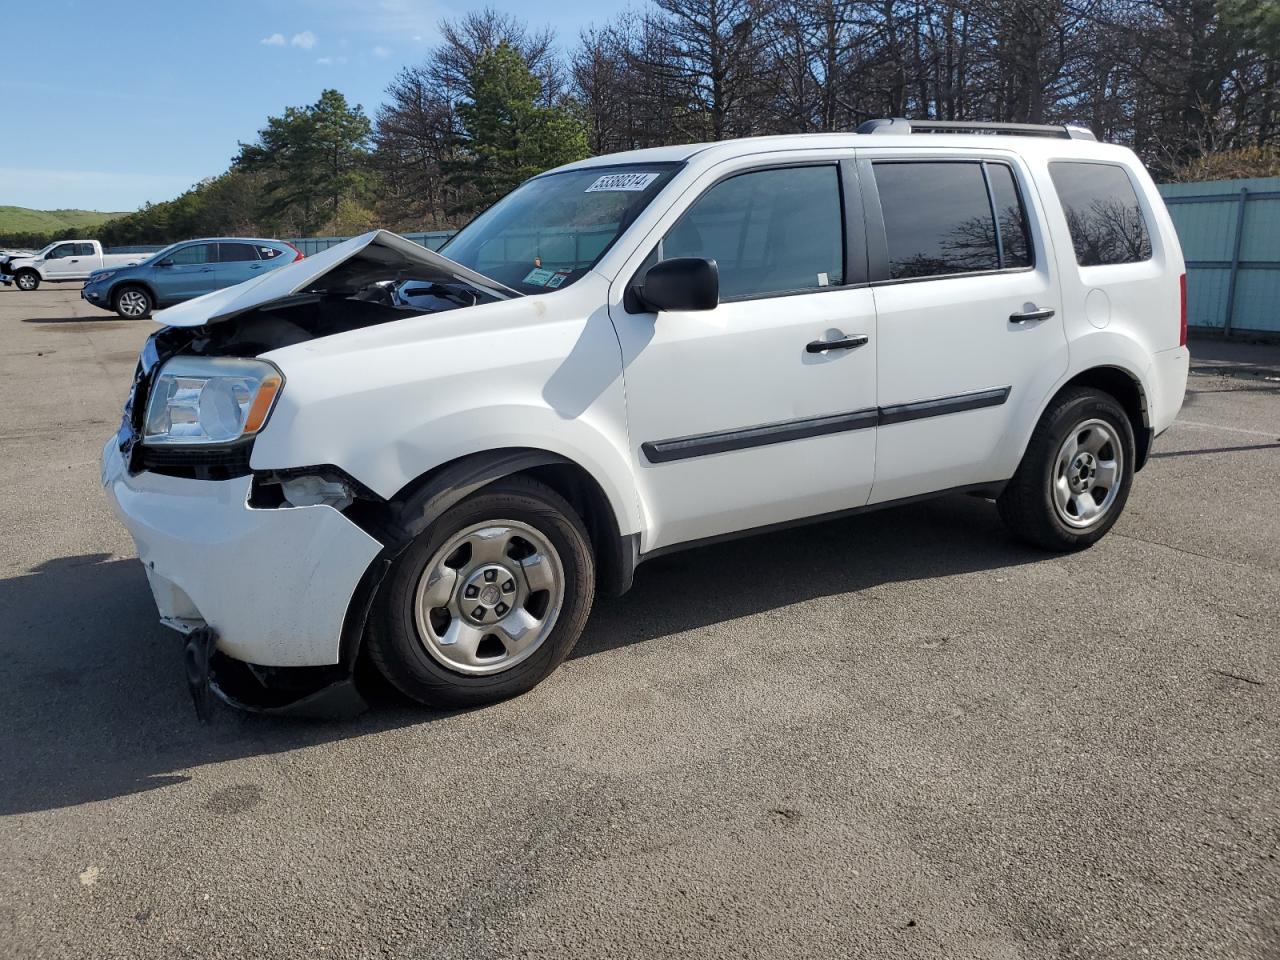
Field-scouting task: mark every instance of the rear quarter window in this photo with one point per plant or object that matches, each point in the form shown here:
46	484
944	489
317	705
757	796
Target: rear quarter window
1103	213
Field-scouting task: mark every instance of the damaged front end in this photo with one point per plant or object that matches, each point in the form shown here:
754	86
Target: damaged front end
180	478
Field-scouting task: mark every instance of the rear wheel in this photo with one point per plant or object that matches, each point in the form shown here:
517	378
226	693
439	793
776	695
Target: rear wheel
27	280
133	303
1074	478
488	600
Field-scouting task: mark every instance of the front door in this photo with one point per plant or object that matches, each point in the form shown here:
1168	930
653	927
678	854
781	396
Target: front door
971	337
738	417
62	262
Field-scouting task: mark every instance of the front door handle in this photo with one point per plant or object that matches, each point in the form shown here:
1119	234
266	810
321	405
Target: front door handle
1031	316
846	343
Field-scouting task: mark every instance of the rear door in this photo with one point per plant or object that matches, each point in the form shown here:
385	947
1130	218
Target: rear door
737	416
969	315
237	262
191	272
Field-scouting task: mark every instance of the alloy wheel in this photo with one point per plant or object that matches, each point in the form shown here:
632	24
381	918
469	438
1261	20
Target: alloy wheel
489	597
133	303
1087	473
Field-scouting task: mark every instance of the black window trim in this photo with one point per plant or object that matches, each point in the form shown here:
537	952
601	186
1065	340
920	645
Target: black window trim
853	229
1138	195
878	239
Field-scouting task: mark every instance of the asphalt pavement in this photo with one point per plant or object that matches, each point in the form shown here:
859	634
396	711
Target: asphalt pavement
900	735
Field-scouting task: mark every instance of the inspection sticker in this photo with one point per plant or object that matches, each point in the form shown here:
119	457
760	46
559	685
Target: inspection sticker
539	276
615	182
560	277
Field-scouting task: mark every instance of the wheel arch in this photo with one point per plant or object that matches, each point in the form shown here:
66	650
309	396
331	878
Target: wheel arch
1128	390
426	498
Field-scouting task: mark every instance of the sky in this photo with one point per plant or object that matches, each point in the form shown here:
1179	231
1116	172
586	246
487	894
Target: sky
111	105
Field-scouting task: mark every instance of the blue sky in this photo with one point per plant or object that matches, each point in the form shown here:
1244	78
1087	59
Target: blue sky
110	105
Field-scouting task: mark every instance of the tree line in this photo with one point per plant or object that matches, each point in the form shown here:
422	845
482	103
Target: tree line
1192	85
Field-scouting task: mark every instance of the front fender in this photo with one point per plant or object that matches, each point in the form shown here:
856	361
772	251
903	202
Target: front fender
392	403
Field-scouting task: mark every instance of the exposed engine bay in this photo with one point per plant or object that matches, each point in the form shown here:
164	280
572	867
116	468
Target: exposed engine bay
381	278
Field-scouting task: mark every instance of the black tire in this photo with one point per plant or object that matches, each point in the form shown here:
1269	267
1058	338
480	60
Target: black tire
26	280
402	657
1027	504
139	304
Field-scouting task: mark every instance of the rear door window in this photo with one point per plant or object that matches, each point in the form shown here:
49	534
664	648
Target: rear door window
1011	217
1103	214
84	249
769	231
236	252
937	219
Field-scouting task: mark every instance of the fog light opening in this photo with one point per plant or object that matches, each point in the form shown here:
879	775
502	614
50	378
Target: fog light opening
313	491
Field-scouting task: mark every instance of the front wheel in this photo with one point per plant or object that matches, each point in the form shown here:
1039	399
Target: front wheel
27	280
488	600
133	303
1075	476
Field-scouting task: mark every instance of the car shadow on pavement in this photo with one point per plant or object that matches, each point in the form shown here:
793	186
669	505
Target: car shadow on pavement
685	590
94	700
95	705
97	321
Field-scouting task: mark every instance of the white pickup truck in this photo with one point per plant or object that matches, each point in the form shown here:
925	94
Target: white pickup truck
60	262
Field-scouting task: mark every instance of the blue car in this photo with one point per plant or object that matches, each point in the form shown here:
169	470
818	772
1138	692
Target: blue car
183	271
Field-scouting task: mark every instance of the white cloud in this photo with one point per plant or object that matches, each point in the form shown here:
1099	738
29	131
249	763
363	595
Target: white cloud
382	52
306	40
330	61
275	40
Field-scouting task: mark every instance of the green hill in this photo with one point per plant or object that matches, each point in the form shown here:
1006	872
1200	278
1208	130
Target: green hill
24	220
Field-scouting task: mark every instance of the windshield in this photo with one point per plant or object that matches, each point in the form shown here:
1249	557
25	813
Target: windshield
552	229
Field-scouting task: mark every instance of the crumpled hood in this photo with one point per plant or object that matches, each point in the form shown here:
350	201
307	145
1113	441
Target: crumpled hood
378	248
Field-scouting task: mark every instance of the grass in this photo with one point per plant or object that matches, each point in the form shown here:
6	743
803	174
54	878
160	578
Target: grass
25	220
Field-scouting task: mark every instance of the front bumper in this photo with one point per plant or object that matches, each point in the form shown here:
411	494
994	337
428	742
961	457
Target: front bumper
95	295
273	584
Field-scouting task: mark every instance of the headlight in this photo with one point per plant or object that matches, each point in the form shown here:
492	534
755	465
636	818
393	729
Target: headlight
198	400
94	278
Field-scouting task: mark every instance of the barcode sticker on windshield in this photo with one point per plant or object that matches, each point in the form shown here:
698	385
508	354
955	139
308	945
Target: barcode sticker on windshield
614	182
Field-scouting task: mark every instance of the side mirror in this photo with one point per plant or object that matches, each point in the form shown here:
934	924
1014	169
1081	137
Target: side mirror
165	263
683	283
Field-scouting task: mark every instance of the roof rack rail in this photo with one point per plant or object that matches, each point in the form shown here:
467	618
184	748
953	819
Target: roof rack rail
1066	131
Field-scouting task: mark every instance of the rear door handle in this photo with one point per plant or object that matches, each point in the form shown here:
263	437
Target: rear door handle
1031	316
847	343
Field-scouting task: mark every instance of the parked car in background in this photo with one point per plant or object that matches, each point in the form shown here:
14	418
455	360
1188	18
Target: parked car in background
61	262
184	270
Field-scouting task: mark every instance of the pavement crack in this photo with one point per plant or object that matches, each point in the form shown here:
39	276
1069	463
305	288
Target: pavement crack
1236	676
1190	553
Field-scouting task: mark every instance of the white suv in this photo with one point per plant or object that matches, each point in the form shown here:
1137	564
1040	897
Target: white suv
437	460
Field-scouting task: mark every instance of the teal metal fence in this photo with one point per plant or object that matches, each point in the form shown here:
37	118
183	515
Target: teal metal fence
432	240
1230	234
